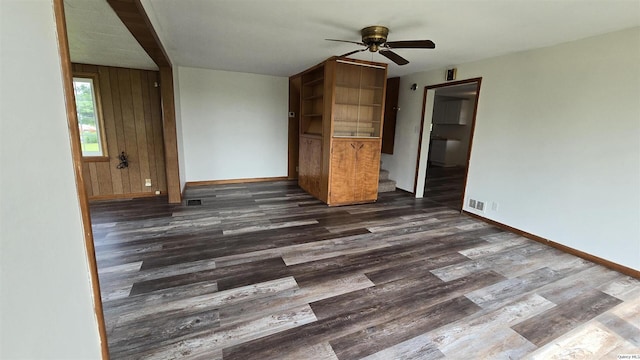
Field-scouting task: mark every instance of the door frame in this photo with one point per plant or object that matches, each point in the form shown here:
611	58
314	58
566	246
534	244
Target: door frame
427	118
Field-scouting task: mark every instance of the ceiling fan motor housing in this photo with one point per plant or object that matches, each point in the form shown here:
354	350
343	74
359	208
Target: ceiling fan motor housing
374	36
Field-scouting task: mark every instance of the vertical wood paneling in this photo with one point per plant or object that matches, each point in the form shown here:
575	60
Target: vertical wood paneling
110	128
133	123
117	110
93	172
141	132
86	175
128	120
104	177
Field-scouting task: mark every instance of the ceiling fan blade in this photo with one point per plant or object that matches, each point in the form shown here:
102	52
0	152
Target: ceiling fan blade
411	44
346	41
393	57
353	52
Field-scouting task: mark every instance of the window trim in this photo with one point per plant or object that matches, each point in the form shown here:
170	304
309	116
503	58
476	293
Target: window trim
94	77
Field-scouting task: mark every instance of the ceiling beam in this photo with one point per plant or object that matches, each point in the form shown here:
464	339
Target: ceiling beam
132	14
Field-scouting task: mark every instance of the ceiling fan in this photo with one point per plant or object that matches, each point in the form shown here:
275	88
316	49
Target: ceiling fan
374	39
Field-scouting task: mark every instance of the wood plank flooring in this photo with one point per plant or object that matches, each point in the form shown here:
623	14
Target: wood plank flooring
264	271
445	185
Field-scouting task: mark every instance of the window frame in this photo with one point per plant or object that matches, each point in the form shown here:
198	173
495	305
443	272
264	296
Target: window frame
95	88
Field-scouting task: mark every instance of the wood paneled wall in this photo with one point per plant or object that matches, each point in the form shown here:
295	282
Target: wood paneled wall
132	119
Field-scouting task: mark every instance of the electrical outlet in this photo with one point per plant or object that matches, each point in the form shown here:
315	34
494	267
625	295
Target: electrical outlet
472	203
480	205
147	182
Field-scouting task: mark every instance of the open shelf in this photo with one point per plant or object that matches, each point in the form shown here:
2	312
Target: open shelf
312	97
313	81
312	105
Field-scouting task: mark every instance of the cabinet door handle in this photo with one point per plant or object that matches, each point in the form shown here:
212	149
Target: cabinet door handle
361	146
352	145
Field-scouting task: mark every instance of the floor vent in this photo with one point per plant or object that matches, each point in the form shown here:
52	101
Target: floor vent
194	202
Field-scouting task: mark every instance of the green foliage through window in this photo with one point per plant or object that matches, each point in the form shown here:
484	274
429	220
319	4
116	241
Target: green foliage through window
88	121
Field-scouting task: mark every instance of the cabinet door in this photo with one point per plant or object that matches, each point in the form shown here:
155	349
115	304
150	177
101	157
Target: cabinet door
343	167
310	167
359	98
367	170
390	114
303	164
355	168
452	112
315	161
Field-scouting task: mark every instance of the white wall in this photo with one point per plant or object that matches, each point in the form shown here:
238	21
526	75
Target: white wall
556	144
234	125
46	305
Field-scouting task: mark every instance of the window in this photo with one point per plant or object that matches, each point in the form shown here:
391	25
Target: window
89	121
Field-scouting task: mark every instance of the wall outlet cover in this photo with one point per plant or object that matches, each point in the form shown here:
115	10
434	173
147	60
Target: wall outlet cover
472	203
480	205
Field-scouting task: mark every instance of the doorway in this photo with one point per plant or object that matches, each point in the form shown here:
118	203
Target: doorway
447	133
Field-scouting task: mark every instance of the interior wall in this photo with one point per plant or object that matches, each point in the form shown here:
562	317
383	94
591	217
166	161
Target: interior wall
556	144
234	125
133	123
402	164
46	304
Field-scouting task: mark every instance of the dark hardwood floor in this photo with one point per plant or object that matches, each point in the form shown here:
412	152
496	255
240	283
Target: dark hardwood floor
445	185
264	271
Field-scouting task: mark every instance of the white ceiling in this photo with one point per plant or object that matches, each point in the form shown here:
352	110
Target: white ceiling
284	37
98	37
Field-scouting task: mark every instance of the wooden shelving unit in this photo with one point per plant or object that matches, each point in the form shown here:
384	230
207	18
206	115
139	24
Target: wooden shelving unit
340	130
312	101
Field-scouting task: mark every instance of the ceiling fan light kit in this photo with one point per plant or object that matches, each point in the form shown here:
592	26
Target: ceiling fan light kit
374	36
374	39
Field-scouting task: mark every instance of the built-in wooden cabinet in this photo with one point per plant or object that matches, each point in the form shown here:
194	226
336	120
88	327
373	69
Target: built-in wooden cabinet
342	106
